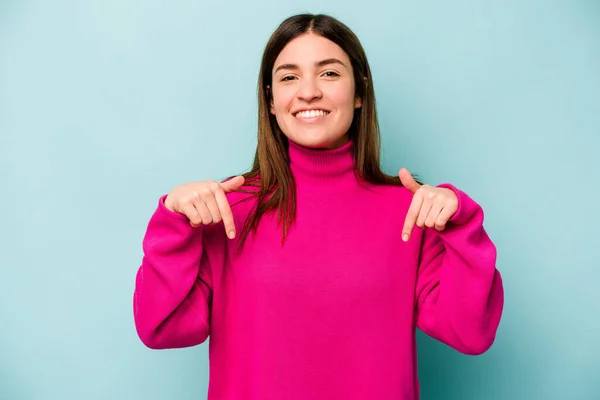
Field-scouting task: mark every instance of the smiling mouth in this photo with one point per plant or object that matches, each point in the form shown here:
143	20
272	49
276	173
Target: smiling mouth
311	114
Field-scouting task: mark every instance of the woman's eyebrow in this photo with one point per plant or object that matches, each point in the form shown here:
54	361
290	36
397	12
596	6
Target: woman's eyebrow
322	63
330	61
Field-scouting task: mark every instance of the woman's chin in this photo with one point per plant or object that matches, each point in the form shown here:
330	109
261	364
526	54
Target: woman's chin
316	142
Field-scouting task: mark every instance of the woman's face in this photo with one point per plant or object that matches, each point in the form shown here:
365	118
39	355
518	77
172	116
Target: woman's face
313	96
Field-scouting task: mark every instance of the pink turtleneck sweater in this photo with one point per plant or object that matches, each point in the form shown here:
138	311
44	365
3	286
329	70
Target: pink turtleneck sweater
332	313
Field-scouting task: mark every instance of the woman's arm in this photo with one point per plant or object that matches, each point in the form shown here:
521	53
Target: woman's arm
173	284
460	295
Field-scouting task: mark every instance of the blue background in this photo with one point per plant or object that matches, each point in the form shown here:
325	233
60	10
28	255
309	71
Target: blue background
106	105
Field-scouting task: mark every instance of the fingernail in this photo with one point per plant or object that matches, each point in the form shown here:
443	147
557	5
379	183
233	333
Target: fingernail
405	237
231	234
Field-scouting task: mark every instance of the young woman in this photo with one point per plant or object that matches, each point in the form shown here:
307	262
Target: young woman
311	272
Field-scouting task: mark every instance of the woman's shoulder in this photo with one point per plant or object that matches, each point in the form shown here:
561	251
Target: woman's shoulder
388	199
394	191
245	194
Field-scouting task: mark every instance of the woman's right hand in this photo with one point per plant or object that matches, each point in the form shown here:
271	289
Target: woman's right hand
205	203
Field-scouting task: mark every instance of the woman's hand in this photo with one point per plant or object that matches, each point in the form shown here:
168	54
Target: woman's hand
205	203
431	207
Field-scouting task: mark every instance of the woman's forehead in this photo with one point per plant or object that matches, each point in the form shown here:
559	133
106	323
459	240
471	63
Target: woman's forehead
308	50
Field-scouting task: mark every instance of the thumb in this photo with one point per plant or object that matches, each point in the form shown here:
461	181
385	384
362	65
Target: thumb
233	183
408	181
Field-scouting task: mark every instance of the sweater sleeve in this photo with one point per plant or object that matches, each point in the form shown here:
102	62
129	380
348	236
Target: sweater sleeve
172	294
459	291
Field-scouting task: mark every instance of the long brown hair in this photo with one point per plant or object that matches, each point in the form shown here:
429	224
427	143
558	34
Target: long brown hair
271	173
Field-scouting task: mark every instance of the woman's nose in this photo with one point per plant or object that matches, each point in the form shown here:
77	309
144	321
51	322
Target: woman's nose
309	90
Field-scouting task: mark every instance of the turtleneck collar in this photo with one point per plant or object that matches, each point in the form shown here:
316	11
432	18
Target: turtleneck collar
322	167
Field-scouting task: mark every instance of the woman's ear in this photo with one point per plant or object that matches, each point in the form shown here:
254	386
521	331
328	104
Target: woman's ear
270	97
357	102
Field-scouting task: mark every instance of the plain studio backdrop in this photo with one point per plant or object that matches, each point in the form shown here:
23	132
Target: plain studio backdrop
106	105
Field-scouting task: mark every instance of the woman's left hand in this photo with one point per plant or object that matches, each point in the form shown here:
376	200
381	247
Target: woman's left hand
431	207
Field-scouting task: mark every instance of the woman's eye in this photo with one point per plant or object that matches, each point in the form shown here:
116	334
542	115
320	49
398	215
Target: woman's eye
287	78
331	74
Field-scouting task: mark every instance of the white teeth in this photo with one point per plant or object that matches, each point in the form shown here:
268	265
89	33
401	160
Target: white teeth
311	114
